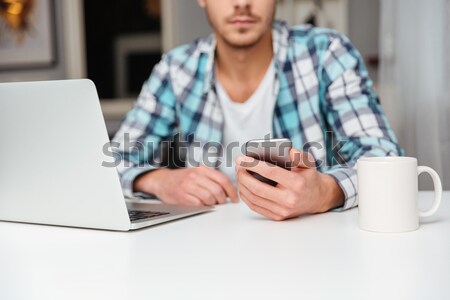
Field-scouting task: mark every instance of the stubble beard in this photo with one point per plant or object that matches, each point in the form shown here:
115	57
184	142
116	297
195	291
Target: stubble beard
237	45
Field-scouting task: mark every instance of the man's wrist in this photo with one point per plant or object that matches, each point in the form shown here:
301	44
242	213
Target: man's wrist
334	196
149	182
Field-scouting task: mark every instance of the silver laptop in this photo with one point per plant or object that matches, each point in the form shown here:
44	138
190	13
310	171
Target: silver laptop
52	135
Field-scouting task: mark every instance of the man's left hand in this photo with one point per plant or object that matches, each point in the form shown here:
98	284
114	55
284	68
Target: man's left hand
302	190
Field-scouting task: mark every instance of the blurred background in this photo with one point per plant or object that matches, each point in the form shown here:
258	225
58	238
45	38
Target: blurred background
116	43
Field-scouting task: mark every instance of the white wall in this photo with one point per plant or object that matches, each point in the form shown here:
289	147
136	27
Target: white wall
363	30
364	22
334	13
183	21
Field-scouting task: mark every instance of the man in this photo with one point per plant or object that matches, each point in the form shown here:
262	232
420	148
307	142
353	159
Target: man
255	76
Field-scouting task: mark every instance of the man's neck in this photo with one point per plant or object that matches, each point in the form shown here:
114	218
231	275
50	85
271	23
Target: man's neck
238	67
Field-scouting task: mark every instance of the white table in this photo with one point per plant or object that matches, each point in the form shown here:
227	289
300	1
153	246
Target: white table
230	253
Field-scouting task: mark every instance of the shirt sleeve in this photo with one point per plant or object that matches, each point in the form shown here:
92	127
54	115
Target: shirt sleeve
152	119
353	113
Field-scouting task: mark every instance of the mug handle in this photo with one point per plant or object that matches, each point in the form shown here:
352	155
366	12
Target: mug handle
437	190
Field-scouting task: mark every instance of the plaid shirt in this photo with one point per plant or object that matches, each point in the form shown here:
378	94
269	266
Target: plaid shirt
325	104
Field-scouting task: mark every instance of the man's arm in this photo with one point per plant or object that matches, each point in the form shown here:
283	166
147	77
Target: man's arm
152	120
353	112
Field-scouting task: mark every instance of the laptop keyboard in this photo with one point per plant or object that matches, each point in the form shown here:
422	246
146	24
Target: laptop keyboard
144	214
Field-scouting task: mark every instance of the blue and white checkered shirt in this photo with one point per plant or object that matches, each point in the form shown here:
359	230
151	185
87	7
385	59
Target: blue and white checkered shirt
325	105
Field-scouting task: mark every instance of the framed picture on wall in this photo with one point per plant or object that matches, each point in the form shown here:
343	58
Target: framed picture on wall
27	34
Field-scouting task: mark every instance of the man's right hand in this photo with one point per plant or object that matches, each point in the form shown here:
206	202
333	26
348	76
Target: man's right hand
188	186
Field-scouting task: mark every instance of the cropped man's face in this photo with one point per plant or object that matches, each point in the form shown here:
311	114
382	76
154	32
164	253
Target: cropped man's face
240	23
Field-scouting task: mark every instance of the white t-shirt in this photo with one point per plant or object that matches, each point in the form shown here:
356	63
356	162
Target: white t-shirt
251	119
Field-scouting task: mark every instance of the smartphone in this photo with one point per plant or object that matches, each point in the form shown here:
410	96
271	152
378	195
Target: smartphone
274	151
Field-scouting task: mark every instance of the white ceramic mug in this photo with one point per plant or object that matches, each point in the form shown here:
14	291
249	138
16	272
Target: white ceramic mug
388	193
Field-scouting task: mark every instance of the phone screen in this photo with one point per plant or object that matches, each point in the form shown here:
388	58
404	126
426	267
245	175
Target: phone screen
274	151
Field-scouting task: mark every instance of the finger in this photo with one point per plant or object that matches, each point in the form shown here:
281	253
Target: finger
268	170
267	204
260	210
192	200
259	188
215	189
223	181
302	159
202	194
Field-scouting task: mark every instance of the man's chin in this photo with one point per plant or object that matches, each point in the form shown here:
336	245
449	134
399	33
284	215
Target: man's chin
242	41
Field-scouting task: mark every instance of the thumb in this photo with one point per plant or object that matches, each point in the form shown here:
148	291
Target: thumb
302	159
